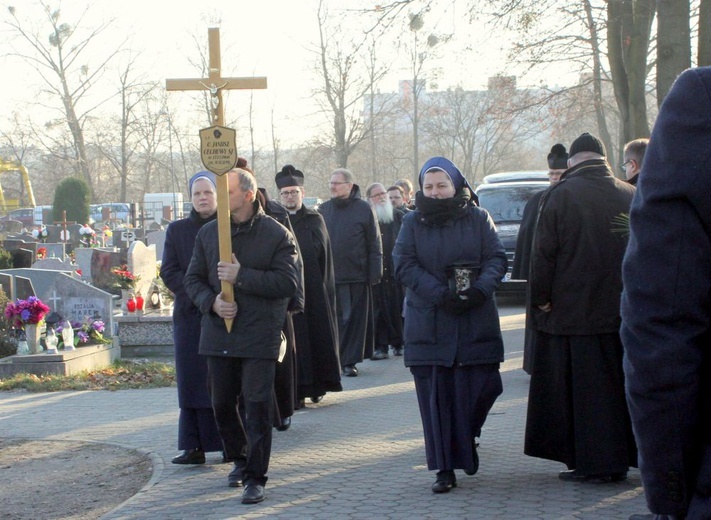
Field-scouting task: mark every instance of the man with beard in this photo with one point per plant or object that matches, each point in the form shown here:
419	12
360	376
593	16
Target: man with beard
387	295
316	329
358	264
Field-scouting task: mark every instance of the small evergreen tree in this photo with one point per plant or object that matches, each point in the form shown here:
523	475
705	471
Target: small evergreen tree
72	196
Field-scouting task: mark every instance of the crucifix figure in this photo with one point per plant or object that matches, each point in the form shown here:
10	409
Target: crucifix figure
215	84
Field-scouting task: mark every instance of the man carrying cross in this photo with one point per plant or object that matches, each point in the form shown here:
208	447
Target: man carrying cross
242	361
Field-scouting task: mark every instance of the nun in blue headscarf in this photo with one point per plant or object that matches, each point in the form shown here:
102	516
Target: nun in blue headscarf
197	430
450	260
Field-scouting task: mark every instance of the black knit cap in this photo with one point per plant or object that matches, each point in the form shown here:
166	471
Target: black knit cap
289	176
587	143
558	158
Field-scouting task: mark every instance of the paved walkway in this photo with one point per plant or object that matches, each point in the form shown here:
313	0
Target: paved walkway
357	454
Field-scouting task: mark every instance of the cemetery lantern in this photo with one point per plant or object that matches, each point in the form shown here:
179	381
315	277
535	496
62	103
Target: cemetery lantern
68	335
50	339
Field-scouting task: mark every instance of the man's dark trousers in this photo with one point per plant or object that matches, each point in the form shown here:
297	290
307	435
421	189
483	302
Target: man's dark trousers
254	380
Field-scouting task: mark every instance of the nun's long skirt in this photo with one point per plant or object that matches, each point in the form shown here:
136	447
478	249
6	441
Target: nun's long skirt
454	403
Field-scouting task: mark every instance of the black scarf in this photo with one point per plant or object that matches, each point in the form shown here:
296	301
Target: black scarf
440	211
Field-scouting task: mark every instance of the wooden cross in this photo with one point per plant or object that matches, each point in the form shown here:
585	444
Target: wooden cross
215	84
64	222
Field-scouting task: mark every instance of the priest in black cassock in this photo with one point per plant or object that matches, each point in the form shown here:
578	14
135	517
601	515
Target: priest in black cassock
316	329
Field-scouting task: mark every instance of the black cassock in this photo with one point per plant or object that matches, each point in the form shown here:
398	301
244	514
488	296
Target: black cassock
388	294
316	329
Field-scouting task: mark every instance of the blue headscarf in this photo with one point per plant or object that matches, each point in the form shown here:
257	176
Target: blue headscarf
201	175
448	167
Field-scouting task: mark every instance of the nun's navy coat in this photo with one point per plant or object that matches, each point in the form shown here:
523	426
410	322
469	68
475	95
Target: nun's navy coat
666	304
190	368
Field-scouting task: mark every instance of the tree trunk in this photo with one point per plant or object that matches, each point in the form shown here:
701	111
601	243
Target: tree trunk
704	33
597	84
673	43
629	24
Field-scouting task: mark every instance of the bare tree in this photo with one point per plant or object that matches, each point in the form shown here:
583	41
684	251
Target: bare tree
59	59
704	33
673	43
344	85
131	94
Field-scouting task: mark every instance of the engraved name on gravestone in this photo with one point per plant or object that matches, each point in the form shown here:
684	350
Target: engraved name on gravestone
70	298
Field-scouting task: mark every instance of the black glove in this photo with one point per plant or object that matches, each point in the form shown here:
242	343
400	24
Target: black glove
475	296
453	304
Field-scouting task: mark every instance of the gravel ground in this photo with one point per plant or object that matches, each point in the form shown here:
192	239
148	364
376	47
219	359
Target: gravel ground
67	479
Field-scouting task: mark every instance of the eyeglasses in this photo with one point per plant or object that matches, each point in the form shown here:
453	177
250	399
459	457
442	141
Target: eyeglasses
336	183
624	165
381	194
290	193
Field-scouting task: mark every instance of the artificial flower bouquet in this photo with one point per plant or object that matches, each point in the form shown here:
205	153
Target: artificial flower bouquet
23	312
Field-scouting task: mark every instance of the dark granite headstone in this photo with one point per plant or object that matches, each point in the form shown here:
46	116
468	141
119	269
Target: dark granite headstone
22	257
101	264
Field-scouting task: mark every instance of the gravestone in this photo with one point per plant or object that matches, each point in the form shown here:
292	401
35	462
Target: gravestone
55	250
142	263
67	296
82	256
54	233
124	237
16	285
12	226
157	238
54	264
102	261
22	258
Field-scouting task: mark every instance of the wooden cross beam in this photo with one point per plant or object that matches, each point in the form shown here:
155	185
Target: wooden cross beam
215	84
64	222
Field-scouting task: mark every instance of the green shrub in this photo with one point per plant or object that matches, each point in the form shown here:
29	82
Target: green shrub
72	196
8	345
5	260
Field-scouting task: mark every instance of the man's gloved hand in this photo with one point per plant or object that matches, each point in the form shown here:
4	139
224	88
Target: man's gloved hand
475	296
453	304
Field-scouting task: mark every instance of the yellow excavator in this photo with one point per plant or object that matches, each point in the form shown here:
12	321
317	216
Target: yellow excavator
12	166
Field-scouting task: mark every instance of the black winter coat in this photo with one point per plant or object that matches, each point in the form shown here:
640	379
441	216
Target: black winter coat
355	239
576	260
267	279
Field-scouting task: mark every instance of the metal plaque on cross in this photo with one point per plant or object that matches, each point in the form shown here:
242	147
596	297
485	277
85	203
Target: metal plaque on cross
218	148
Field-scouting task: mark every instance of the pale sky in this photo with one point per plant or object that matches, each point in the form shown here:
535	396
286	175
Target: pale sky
263	38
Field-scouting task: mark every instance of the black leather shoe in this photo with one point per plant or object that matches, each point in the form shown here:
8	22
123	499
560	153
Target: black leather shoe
350	371
446	480
398	351
317	399
378	355
475	460
285	423
253	494
574	475
234	479
193	456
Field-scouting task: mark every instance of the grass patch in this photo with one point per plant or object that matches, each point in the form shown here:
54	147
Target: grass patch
121	375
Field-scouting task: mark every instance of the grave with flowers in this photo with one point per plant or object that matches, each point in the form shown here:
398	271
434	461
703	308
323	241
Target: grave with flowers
79	316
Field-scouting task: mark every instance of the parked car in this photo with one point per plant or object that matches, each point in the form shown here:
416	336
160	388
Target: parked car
505	202
24	215
312	202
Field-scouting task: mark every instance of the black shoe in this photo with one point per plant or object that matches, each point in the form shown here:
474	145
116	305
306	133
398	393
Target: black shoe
253	494
317	399
378	355
193	456
445	481
234	479
285	423
398	351
475	460
574	475
350	371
